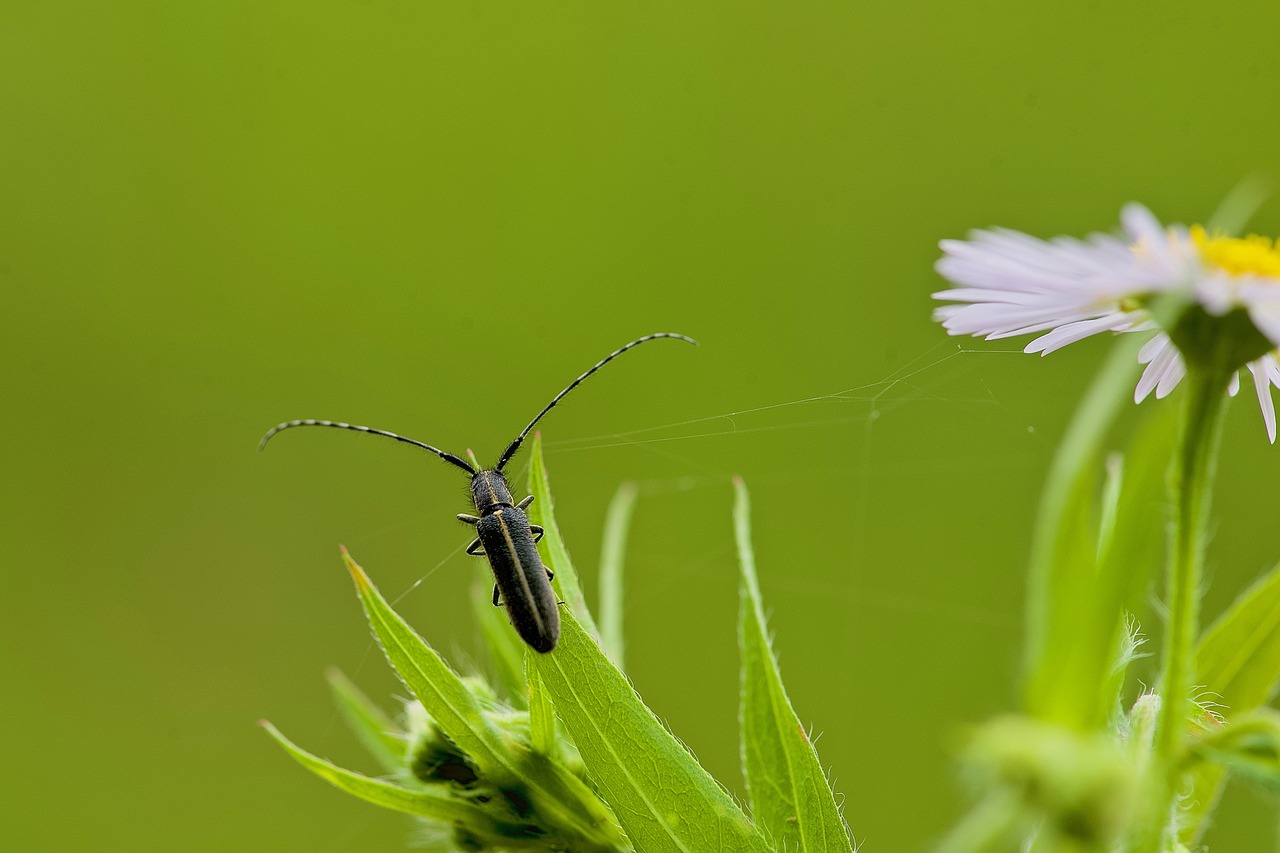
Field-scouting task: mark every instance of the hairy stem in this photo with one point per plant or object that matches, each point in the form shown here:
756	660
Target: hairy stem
1190	485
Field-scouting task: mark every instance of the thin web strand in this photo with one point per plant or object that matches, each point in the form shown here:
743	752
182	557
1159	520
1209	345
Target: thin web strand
900	378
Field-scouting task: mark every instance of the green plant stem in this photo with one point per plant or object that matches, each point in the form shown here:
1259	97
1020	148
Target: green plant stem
1191	480
1191	486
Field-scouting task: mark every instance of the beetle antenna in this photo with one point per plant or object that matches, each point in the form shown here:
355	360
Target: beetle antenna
515	445
447	457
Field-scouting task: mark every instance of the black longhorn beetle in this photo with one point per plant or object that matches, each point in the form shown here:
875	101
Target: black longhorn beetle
503	532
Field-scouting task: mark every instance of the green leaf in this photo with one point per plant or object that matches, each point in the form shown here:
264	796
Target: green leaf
664	799
1206	783
379	734
1238	664
789	793
1239	656
612	551
1083	789
542	716
441	691
1073	622
435	804
506	651
1248	746
1132	539
1239	206
561	798
542	513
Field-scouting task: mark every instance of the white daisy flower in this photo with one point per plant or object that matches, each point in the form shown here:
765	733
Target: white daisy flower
1064	290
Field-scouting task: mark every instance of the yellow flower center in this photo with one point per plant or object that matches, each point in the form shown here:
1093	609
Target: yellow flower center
1252	255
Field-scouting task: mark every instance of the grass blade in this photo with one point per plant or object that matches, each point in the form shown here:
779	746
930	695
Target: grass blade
789	793
613	549
542	513
663	797
377	732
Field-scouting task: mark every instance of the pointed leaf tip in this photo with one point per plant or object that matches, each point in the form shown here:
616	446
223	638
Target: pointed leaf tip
789	792
357	574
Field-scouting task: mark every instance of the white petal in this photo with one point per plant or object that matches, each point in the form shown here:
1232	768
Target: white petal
1064	289
1272	367
1072	332
1262	385
1161	359
1153	347
1067	289
1140	223
1217	292
1146	383
1265	314
1172	372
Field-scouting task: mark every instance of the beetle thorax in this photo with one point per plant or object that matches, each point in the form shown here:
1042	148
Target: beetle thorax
489	491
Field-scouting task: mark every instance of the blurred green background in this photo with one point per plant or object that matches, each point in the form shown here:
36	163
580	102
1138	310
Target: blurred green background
428	218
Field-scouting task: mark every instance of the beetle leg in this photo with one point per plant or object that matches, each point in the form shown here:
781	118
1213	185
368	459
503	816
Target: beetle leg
475	549
550	574
524	504
537	532
496	602
469	519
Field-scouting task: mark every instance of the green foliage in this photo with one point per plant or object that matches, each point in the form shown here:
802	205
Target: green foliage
562	799
612	548
1074	611
379	734
574	760
484	825
1238	664
1248	746
1074	773
542	513
1131	543
1075	789
789	793
1239	657
542	715
506	651
570	758
665	800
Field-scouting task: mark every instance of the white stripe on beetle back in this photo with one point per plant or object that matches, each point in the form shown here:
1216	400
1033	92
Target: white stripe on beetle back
520	573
